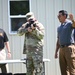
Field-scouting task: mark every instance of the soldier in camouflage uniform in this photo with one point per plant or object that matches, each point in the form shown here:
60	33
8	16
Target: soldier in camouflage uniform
33	44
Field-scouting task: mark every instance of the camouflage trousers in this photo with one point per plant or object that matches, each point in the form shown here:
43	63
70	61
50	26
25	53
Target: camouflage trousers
34	60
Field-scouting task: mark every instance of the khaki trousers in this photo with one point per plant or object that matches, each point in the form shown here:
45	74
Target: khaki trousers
67	60
4	67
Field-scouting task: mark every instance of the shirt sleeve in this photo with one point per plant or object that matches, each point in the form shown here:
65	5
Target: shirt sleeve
57	32
5	37
39	31
22	30
73	24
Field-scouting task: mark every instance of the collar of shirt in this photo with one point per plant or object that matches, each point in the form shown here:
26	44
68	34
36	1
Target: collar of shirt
64	22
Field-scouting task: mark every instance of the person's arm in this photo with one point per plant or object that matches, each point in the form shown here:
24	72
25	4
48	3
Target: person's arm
8	49
39	31
22	30
6	43
57	48
72	19
73	25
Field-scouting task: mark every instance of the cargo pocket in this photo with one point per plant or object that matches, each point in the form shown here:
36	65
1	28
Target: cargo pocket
72	51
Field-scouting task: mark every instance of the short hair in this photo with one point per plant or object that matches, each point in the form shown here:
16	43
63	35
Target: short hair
64	12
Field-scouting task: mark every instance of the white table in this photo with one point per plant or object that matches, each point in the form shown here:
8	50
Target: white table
12	61
18	61
23	61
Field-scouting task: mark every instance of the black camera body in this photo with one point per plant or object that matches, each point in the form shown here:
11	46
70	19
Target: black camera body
31	21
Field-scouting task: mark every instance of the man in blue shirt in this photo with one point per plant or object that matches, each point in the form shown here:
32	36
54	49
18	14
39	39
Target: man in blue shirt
65	43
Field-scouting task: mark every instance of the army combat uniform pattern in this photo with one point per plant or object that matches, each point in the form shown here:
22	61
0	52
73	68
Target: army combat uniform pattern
33	47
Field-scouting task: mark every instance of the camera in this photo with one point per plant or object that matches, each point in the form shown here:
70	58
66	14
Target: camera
31	21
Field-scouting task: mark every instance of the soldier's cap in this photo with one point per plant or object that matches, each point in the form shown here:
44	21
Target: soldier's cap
29	15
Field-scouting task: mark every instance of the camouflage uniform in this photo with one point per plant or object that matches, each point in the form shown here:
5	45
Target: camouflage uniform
33	47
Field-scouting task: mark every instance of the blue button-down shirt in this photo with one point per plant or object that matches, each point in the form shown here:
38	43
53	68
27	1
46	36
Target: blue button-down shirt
66	33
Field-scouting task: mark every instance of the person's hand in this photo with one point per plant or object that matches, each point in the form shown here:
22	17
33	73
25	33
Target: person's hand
56	55
29	29
32	26
71	17
9	55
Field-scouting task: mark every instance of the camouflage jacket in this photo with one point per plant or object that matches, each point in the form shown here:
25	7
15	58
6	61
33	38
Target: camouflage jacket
34	38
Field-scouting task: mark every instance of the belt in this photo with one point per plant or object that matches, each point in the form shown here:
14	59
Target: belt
66	45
